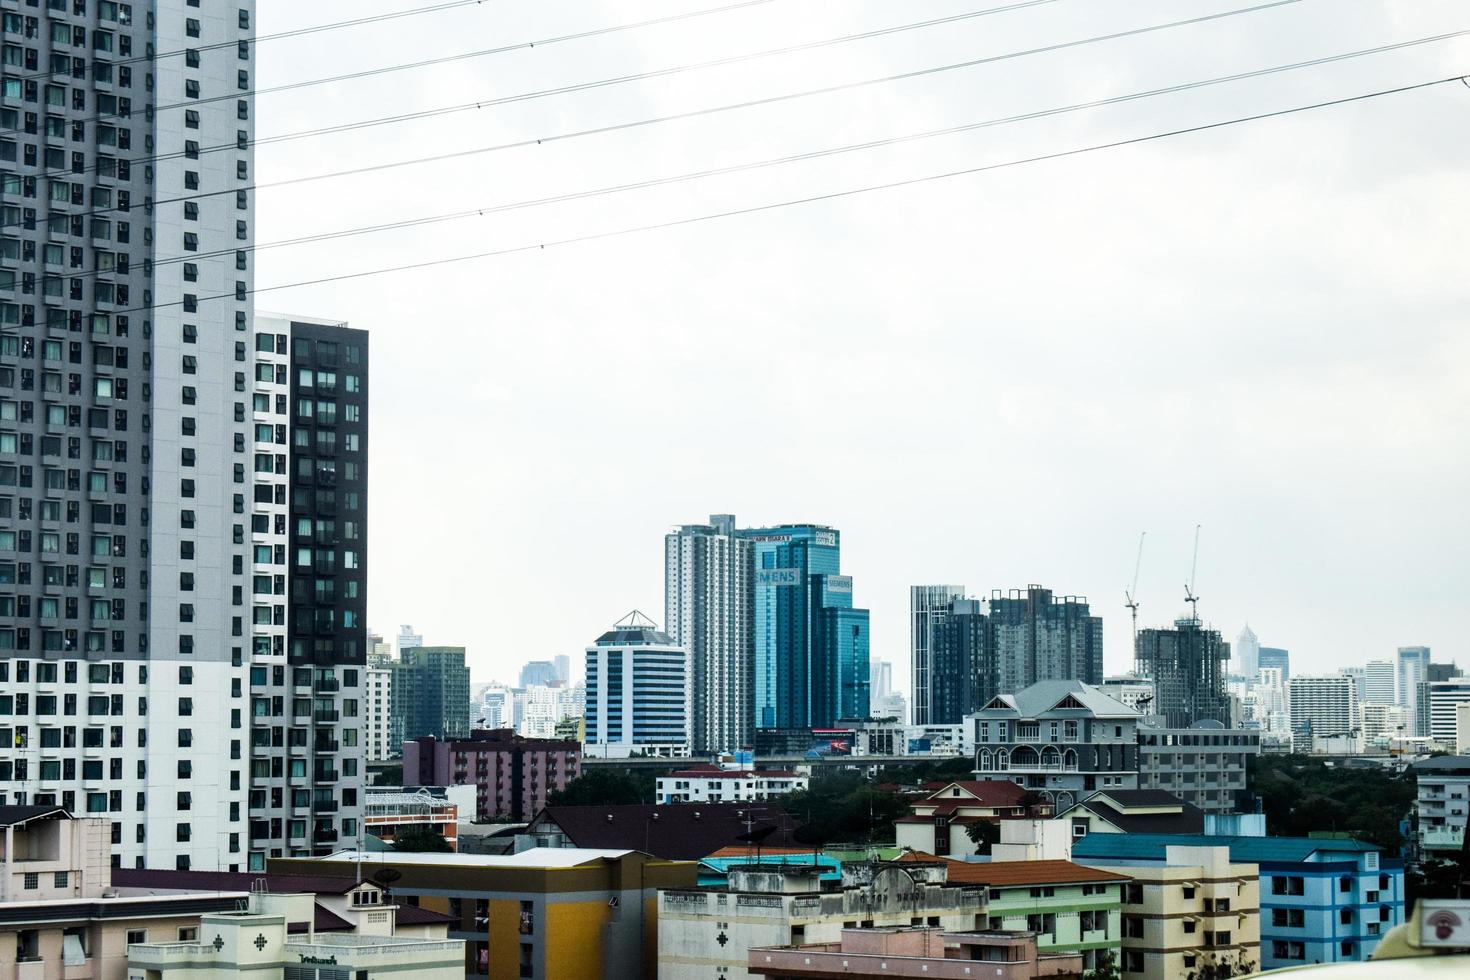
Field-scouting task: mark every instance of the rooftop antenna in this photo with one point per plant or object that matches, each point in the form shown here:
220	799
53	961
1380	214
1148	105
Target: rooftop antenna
1189	595
1130	594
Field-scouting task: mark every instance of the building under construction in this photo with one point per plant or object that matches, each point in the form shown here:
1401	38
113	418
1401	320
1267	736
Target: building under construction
1188	665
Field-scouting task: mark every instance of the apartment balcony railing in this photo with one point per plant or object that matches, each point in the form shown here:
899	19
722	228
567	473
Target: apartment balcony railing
326	714
326	684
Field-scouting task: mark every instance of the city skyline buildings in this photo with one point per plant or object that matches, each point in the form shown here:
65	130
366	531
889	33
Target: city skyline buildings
1251	547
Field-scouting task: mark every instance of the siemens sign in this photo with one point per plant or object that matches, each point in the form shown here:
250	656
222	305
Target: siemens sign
778	576
839	583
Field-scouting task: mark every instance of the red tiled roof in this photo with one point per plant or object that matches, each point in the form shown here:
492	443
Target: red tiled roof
990	792
1006	873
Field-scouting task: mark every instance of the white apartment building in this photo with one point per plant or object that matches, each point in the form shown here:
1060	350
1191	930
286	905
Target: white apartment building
711	784
1380	683
1129	689
709	584
1324	711
1442	804
377	718
637	692
1383	721
1444	698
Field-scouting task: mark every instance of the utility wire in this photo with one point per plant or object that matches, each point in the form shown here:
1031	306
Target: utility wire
587	86
752	165
1181	87
295	32
448	59
476	151
815	198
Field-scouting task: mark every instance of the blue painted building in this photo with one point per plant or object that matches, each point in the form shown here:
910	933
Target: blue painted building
811	645
1323	900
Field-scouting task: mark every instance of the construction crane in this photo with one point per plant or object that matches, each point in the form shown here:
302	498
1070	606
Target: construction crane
1189	595
1130	594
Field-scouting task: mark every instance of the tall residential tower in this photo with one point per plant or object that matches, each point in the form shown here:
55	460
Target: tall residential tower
126	219
709	578
928	605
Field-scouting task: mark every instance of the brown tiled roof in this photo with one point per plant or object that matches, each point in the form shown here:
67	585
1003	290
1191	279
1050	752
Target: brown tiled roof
1008	873
412	915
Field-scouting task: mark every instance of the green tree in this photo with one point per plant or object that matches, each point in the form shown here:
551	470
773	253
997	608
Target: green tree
605	787
422	840
1105	967
389	776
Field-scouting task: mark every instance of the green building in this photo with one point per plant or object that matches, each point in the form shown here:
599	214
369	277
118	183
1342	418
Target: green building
430	694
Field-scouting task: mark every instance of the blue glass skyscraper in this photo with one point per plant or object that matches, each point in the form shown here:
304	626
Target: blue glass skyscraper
811	645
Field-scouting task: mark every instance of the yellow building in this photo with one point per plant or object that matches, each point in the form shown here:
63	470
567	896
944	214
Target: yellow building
545	913
1195	910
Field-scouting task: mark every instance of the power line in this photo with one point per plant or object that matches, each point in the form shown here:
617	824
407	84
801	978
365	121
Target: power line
717	62
588	86
448	59
1181	87
295	32
828	196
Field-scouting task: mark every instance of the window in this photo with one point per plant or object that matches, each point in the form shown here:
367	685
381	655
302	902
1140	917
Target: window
32	880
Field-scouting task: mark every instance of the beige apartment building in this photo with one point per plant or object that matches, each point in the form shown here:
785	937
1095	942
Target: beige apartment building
61	918
1196	909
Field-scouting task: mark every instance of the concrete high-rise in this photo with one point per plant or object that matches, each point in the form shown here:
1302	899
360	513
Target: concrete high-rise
1187	667
1413	666
308	587
408	639
810	644
152	482
539	673
1322	706
1380	680
1276	658
1038	636
637	692
709	584
431	694
928	605
1247	663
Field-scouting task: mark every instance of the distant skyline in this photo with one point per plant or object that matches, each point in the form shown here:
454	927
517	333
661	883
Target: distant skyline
996	379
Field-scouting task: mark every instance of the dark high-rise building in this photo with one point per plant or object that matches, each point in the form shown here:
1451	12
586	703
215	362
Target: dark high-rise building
1037	636
431	694
1188	665
962	670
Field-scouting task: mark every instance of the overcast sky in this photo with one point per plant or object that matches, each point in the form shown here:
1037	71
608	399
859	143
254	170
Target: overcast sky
991	380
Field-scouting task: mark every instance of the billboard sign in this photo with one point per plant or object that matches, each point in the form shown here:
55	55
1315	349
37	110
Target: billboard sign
828	538
839	583
778	576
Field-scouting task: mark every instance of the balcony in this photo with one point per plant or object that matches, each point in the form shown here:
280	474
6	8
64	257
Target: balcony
326	714
326	684
328	745
30	969
325	776
324	836
324	806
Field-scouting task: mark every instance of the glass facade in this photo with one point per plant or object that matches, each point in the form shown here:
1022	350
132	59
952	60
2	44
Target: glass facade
811	645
